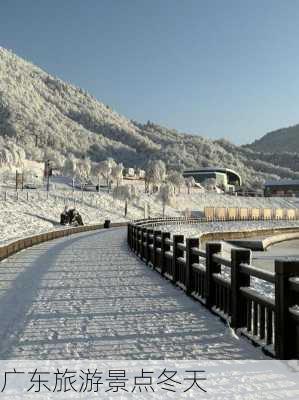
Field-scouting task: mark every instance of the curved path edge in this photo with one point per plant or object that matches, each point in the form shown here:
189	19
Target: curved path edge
17	245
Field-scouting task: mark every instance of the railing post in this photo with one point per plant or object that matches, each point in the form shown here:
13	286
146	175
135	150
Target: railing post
164	247
146	250
149	242
129	235
285	333
143	233
190	259
238	306
139	233
176	254
134	238
155	244
211	268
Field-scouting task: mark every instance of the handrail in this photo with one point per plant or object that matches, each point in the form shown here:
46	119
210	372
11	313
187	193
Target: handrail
257	272
220	259
231	295
255	295
182	246
294	284
198	252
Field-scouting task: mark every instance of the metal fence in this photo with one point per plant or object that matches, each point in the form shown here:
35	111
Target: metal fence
272	323
64	197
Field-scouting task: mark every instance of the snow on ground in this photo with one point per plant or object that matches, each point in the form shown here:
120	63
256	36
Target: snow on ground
197	201
196	230
86	296
33	211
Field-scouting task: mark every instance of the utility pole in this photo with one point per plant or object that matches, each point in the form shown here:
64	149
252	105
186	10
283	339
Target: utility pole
48	172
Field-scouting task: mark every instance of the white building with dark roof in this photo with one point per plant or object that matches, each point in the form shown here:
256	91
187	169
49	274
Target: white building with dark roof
223	176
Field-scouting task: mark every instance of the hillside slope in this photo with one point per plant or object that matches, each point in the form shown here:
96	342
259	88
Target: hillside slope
281	140
39	111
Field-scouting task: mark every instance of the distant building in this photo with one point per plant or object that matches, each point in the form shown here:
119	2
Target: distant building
129	172
140	173
282	187
225	177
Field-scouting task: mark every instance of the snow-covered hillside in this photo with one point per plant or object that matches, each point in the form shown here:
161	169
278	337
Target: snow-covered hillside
45	115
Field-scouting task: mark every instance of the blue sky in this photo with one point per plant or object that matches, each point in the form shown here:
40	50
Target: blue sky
219	68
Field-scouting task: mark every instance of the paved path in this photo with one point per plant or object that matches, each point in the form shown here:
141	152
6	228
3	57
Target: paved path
87	296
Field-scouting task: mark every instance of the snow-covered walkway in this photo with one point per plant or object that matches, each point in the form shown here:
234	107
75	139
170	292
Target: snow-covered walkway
87	296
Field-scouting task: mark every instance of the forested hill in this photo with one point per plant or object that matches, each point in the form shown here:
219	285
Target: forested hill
285	139
43	115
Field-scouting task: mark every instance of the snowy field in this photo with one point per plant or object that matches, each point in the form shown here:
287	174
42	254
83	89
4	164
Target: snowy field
88	297
23	213
196	230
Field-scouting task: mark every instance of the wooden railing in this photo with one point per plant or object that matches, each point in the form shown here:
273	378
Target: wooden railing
168	220
224	284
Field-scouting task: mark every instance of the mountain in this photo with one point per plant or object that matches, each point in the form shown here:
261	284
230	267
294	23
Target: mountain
47	117
281	140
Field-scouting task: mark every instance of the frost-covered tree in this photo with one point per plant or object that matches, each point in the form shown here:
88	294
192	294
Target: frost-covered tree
176	178
210	184
12	156
39	111
6	158
117	173
55	157
189	182
82	172
69	168
124	193
155	174
105	169
166	195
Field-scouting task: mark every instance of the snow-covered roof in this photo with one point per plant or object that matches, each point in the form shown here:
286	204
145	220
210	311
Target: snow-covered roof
283	182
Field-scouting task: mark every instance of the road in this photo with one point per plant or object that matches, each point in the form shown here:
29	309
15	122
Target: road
87	296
